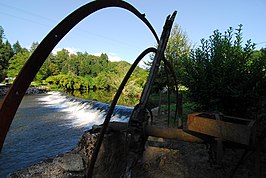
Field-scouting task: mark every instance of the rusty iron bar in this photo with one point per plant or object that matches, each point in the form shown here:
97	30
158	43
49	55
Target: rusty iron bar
15	94
168	98
158	57
178	109
138	120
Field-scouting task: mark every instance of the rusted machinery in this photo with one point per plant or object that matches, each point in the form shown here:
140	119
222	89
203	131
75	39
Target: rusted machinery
222	127
201	127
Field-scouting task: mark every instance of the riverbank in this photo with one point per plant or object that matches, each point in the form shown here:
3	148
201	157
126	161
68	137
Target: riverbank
49	124
32	90
161	158
74	163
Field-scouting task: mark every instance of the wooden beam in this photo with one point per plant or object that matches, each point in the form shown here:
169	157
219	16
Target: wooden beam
161	132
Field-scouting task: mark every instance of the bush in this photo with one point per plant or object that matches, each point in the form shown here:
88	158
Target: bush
70	82
222	75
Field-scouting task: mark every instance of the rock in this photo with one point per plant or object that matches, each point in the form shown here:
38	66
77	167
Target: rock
70	162
162	162
30	90
45	168
36	90
3	90
110	162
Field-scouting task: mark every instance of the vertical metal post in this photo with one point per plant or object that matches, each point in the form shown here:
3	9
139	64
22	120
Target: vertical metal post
138	119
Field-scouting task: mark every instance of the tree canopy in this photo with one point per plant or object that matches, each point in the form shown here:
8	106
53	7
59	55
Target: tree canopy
6	52
224	75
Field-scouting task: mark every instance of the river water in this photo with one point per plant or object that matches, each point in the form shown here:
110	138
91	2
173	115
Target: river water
49	124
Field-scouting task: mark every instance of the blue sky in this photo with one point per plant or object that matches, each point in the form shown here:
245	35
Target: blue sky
119	33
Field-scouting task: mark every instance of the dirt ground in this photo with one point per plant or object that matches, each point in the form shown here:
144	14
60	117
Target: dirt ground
169	158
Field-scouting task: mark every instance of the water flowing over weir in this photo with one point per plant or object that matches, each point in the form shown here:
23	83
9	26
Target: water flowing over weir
49	124
84	113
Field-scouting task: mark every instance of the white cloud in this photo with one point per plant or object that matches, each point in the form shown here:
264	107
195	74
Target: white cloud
97	54
70	50
111	56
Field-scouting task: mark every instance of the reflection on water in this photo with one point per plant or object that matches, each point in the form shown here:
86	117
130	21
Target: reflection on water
104	96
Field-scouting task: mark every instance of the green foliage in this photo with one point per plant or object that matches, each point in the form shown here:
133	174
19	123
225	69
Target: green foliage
69	82
136	83
224	75
34	45
221	74
2	34
6	52
80	71
60	59
16	63
83	71
177	51
17	48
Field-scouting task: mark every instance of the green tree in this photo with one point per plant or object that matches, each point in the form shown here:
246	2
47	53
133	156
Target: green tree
97	64
107	80
60	58
17	48
222	74
176	52
71	65
2	33
6	52
45	71
85	64
34	45
84	71
17	62
178	48
104	57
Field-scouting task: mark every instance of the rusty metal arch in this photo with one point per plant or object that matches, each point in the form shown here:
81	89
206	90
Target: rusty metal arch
15	94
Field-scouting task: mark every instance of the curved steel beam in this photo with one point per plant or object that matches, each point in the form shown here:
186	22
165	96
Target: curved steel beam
16	92
112	107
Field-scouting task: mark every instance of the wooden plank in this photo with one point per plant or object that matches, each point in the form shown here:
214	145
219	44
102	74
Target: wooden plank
239	133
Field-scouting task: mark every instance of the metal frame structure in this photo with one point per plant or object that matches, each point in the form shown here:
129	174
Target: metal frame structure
199	128
15	94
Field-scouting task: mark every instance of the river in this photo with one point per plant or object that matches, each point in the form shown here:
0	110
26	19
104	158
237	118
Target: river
46	125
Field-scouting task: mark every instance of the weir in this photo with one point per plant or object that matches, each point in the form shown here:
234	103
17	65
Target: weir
201	128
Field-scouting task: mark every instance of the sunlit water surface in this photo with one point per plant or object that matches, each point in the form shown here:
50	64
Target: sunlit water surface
49	124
